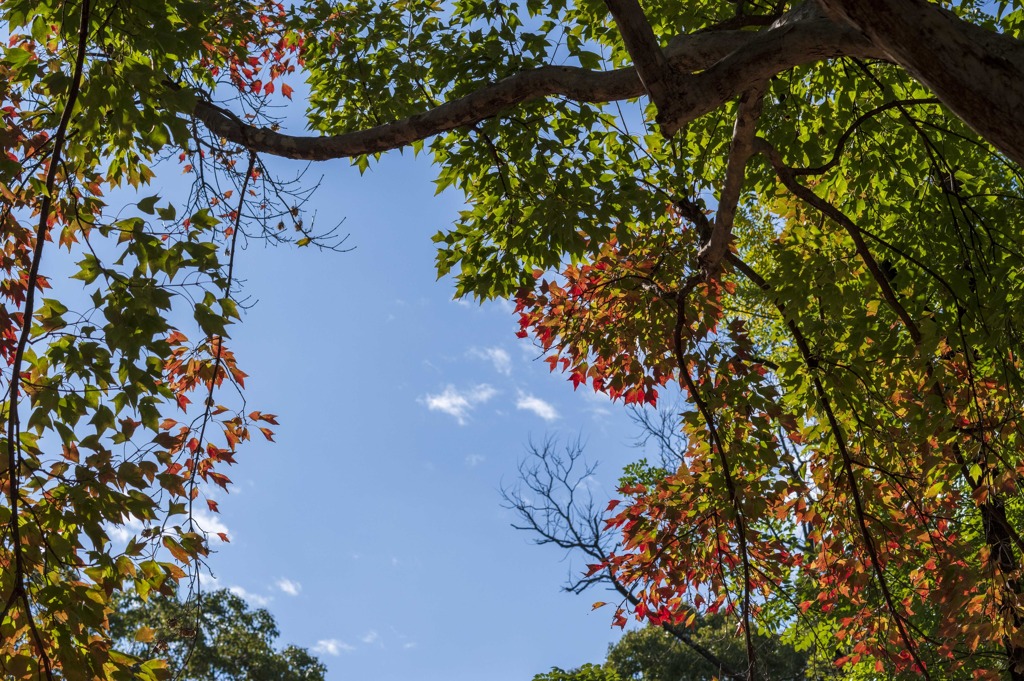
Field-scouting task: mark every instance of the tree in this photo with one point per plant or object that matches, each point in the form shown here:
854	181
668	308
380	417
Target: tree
588	672
231	642
802	214
652	654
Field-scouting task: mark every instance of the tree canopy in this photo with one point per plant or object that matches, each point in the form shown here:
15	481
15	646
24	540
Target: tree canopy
652	654
214	637
803	215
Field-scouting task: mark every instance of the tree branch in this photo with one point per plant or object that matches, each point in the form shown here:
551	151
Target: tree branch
648	58
744	131
558	517
729	62
977	73
839	438
825	208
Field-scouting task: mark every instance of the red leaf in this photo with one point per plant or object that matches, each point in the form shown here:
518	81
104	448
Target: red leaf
219	479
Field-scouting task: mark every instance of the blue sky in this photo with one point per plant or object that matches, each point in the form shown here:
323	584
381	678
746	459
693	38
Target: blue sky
373	528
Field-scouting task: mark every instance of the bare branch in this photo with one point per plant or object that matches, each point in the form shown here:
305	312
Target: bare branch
553	502
662	426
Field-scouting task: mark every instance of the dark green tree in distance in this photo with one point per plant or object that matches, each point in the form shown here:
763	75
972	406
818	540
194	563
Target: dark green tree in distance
232	643
588	672
653	654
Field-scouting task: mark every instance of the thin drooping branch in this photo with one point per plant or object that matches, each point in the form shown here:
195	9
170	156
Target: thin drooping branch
977	73
840	145
729	62
14	454
824	207
730	484
839	438
869	541
208	404
745	129
999	533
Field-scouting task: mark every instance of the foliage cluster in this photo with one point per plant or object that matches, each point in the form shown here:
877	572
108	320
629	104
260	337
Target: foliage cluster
652	654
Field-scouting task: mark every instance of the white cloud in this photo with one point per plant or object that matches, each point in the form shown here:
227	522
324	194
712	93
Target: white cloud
409	646
501	360
255	599
370	637
537	406
289	587
211	524
503	305
332	646
122	533
474	460
459	404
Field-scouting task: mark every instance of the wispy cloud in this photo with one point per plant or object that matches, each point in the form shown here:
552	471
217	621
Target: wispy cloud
255	599
459	403
474	460
332	646
501	360
370	637
538	406
409	646
122	533
211	524
289	587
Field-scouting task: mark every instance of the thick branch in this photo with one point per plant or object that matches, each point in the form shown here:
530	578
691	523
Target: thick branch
730	62
744	131
648	58
977	73
801	36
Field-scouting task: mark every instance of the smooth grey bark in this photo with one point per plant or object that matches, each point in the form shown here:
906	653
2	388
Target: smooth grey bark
715	66
977	73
